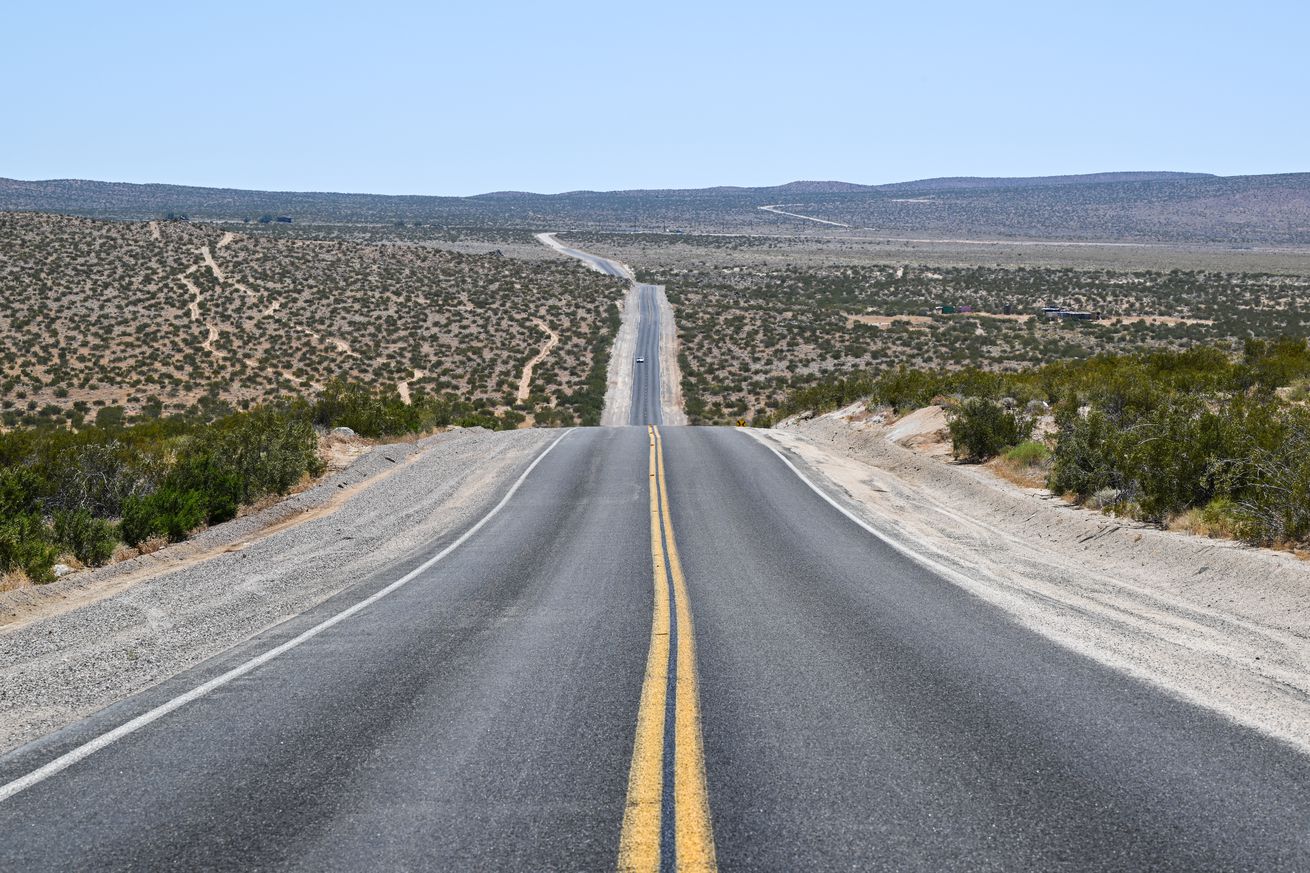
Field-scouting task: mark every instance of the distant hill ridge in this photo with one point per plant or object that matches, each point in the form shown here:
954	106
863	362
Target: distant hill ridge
1161	207
53	194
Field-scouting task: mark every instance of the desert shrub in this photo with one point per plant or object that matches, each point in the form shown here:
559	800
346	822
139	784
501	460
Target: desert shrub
980	428
1028	453
25	539
906	389
25	544
109	417
1104	498
826	396
249	455
138	522
1218	518
1168	455
96	472
1274	505
169	512
367	412
90	539
1085	459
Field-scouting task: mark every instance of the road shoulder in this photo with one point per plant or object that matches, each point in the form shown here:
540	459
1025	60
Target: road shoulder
1210	621
239	579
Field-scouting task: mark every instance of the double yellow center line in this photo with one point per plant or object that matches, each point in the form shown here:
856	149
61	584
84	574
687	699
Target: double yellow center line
641	837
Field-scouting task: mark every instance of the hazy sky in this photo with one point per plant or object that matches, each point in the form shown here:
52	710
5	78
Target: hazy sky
461	98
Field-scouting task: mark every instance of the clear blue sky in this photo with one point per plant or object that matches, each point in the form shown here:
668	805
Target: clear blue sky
461	98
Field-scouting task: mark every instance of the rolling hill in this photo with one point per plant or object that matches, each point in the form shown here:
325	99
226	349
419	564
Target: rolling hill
1146	207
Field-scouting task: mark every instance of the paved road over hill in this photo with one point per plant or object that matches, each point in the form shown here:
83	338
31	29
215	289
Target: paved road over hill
638	344
659	646
604	265
646	407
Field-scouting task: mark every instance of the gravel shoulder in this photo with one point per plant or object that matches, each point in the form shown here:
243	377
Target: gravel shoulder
1214	622
671	409
619	375
90	639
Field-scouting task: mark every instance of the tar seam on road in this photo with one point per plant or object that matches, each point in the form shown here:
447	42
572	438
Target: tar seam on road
89	748
639	840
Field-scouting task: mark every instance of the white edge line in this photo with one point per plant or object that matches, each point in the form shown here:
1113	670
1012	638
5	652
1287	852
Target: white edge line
917	557
92	746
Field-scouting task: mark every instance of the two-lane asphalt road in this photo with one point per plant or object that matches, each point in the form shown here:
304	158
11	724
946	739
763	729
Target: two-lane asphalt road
596	262
643	354
663	648
646	406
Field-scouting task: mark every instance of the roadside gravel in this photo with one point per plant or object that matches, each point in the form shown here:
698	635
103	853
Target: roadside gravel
1219	624
90	639
619	375
671	409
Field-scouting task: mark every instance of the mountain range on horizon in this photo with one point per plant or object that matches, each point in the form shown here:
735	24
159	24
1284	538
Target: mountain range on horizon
1141	206
10	188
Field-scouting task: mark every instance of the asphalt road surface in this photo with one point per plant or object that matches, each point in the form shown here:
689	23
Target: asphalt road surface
646	375
663	649
645	406
605	265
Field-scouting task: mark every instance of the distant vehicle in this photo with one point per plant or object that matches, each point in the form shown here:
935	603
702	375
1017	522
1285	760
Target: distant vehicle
641	360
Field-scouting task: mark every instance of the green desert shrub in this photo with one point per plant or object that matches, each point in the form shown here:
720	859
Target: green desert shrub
169	512
25	544
90	539
1029	453
981	428
25	539
1085	459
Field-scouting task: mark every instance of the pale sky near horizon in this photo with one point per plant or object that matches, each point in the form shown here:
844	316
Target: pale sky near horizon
441	98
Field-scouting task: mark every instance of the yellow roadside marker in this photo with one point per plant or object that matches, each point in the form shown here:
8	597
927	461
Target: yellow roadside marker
639	840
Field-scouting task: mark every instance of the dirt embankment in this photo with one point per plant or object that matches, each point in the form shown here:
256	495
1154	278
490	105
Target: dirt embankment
1222	625
85	641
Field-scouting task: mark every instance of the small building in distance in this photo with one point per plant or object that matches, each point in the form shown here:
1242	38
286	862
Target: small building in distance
1054	312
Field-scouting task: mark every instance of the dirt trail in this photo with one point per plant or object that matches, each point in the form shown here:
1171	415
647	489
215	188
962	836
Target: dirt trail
1210	621
208	344
227	238
209	262
525	380
194	306
402	387
154	231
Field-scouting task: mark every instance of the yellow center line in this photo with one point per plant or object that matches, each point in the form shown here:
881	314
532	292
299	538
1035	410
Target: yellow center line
693	834
639	840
